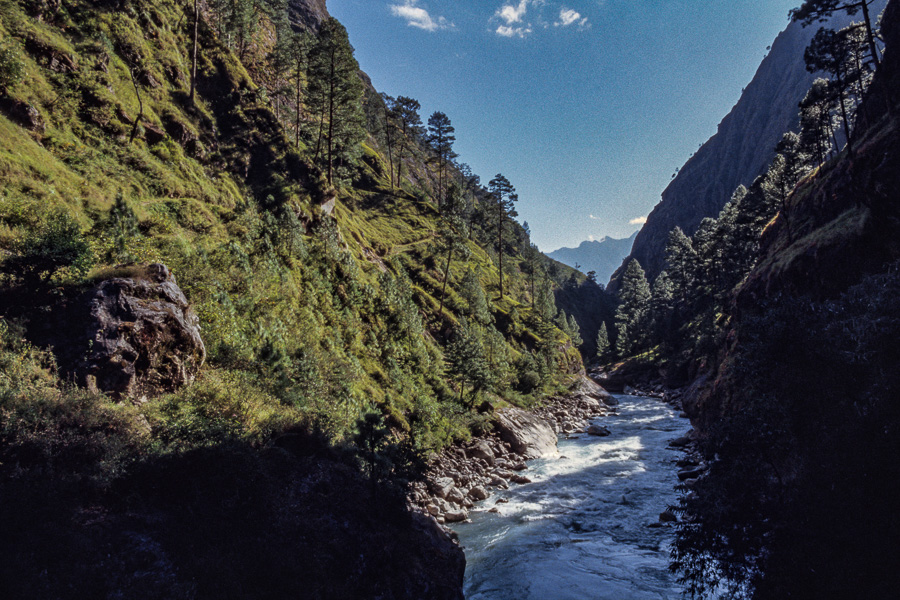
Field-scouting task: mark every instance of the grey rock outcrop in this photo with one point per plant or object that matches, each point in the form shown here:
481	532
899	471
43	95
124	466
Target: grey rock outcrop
143	337
529	436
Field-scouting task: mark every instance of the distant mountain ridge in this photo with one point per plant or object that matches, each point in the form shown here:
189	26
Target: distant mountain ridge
742	148
602	256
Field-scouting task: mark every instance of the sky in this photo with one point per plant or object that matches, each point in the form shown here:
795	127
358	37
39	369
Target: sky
587	106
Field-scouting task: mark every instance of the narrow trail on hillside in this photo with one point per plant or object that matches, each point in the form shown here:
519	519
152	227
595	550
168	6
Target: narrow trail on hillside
581	530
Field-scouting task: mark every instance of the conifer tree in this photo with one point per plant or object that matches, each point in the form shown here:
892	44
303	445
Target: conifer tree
336	93
816	127
681	261
634	298
407	112
473	293
821	10
830	51
454	236
503	198
441	138
602	343
786	170
467	360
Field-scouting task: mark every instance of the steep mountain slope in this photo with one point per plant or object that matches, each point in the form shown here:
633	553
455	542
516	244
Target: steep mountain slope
601	256
741	149
800	421
349	329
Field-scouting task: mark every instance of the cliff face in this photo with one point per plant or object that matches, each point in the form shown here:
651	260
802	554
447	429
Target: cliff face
308	14
844	218
741	149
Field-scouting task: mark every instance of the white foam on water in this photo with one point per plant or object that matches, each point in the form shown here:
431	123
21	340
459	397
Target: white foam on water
580	529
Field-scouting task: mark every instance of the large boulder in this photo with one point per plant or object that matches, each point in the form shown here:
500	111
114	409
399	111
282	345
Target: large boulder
528	435
143	337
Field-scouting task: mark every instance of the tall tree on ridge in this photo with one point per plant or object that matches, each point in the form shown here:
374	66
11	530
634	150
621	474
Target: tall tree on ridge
336	95
831	52
822	10
441	138
504	197
816	127
194	49
390	131
407	110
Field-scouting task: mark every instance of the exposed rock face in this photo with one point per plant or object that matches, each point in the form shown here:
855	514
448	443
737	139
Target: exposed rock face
23	113
742	148
528	435
144	339
307	14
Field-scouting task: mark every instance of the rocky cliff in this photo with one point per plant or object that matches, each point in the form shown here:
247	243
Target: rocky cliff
307	14
741	149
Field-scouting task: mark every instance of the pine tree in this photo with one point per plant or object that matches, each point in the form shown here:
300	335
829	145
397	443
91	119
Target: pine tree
473	293
467	360
836	53
407	111
336	93
454	236
634	298
441	138
816	126
602	343
787	168
503	198
681	261
821	10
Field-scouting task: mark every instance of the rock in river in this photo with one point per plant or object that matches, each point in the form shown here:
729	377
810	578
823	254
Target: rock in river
528	435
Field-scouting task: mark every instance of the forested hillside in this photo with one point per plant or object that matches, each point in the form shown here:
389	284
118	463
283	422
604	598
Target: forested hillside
743	146
779	319
352	296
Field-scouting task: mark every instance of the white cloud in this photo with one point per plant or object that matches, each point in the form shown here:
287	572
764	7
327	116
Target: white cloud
595	218
638	221
416	16
513	18
507	31
567	16
592	238
513	14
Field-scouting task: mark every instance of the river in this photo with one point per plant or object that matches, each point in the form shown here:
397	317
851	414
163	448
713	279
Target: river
580	530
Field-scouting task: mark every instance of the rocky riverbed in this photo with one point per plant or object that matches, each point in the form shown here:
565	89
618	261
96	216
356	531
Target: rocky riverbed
467	473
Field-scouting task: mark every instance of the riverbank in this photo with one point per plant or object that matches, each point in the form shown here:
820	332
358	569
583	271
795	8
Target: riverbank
591	523
468	473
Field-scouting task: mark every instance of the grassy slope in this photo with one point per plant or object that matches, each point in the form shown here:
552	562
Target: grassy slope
294	311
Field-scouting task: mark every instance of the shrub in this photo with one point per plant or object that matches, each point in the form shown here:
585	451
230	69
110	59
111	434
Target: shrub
12	69
58	244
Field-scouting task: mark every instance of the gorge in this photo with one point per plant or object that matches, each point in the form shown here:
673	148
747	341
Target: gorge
264	334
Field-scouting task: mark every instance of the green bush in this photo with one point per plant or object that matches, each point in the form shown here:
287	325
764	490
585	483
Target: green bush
56	245
12	69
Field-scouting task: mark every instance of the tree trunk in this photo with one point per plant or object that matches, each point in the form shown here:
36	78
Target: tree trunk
500	249
297	118
388	140
194	49
331	121
841	93
446	276
140	114
873	49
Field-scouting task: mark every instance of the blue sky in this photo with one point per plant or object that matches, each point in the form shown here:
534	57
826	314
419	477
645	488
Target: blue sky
587	106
